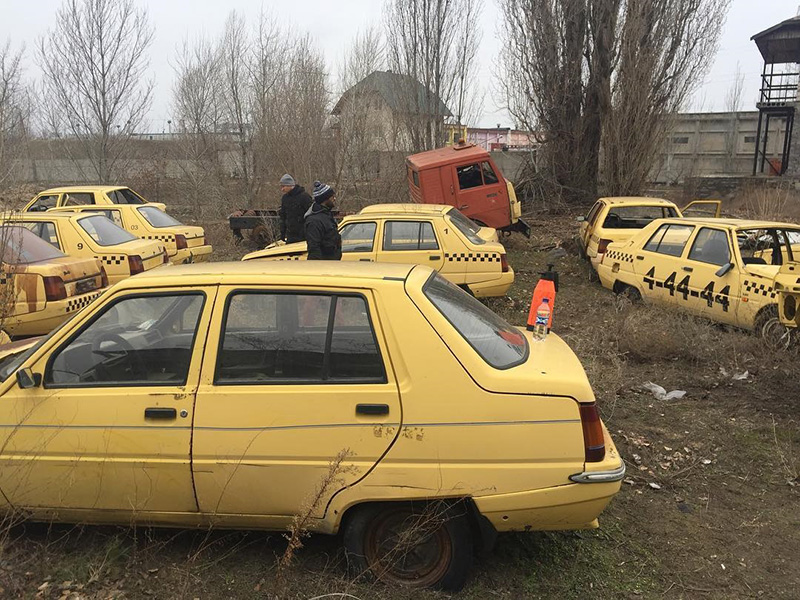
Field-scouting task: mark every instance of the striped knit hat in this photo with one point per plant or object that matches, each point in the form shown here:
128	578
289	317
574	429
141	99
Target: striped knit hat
321	191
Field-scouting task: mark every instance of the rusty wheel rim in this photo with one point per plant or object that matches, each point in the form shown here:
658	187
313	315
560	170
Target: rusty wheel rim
410	549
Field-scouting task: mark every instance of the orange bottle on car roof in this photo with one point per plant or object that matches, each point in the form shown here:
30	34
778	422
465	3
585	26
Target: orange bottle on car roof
546	288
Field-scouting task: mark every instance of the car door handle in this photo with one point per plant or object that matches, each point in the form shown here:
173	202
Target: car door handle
688	269
434	257
372	409
640	258
365	260
155	412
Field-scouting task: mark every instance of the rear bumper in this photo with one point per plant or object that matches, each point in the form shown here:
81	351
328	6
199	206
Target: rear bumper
54	313
191	255
493	287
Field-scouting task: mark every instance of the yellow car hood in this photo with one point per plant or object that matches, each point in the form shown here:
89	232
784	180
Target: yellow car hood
278	249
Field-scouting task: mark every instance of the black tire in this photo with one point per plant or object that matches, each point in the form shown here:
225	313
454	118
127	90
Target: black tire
769	328
436	539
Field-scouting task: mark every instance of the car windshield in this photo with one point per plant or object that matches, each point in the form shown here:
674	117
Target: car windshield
498	343
465	225
11	363
157	217
21	246
104	231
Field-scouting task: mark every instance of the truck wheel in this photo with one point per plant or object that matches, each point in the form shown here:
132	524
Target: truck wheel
768	327
418	545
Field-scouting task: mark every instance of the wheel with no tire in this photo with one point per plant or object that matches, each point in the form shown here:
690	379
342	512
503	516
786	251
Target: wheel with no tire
414	545
629	292
768	327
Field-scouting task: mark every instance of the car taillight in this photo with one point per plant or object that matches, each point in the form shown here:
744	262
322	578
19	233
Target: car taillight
54	288
503	263
593	441
103	277
135	263
180	242
602	246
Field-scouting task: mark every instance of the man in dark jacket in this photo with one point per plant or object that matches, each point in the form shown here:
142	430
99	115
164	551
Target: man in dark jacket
294	204
322	234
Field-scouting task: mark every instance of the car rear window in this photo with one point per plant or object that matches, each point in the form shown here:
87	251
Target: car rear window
465	225
157	217
498	343
636	217
21	246
105	232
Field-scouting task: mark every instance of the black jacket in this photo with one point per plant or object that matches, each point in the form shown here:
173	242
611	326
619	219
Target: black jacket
322	234
294	205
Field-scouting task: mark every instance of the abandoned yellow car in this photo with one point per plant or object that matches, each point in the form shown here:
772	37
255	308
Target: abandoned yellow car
438	236
184	243
93	235
78	195
724	269
225	394
618	219
40	286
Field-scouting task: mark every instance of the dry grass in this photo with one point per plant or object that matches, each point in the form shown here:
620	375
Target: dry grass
768	201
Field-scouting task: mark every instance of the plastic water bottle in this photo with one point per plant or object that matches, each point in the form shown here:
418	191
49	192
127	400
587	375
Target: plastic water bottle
542	320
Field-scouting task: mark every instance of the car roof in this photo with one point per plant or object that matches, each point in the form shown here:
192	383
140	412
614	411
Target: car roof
446	156
731	223
82	188
49	215
320	271
637	200
408	208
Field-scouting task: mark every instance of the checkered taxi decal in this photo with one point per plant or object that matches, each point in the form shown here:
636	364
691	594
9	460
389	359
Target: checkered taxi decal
165	237
763	289
619	256
295	257
113	259
79	302
5	277
472	256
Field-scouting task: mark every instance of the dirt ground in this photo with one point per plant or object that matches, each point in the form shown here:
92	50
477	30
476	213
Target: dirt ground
710	507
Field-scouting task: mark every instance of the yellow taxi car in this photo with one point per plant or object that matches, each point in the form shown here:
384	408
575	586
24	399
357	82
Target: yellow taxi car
40	286
184	243
617	219
79	195
438	236
723	269
93	235
225	394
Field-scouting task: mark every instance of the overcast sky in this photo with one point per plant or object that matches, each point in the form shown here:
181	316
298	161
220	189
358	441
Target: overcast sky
334	24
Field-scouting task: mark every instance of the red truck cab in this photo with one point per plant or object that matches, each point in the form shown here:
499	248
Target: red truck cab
465	176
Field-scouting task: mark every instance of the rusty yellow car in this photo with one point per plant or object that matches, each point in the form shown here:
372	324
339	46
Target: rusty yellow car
79	195
724	269
228	394
40	286
435	235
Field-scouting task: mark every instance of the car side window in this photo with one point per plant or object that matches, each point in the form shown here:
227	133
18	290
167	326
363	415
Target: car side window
711	246
78	198
284	338
358	237
489	175
670	239
409	235
138	340
45	230
44	203
469	176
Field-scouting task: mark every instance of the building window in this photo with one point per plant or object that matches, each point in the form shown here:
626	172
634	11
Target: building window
749	139
680	140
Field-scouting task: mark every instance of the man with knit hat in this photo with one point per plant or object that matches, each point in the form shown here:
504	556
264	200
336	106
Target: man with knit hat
294	204
322	234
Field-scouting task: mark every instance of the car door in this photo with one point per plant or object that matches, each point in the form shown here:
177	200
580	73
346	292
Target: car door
294	379
109	428
658	262
709	287
413	242
702	208
481	194
358	240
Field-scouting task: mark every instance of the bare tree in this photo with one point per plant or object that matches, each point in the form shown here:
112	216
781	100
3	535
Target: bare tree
14	112
433	43
94	64
733	104
586	74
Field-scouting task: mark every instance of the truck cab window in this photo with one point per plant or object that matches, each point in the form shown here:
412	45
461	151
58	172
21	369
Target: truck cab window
469	176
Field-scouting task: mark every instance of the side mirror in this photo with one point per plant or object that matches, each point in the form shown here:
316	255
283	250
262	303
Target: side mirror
580	219
28	379
723	270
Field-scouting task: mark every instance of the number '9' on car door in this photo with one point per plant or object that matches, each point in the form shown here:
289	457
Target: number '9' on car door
292	378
